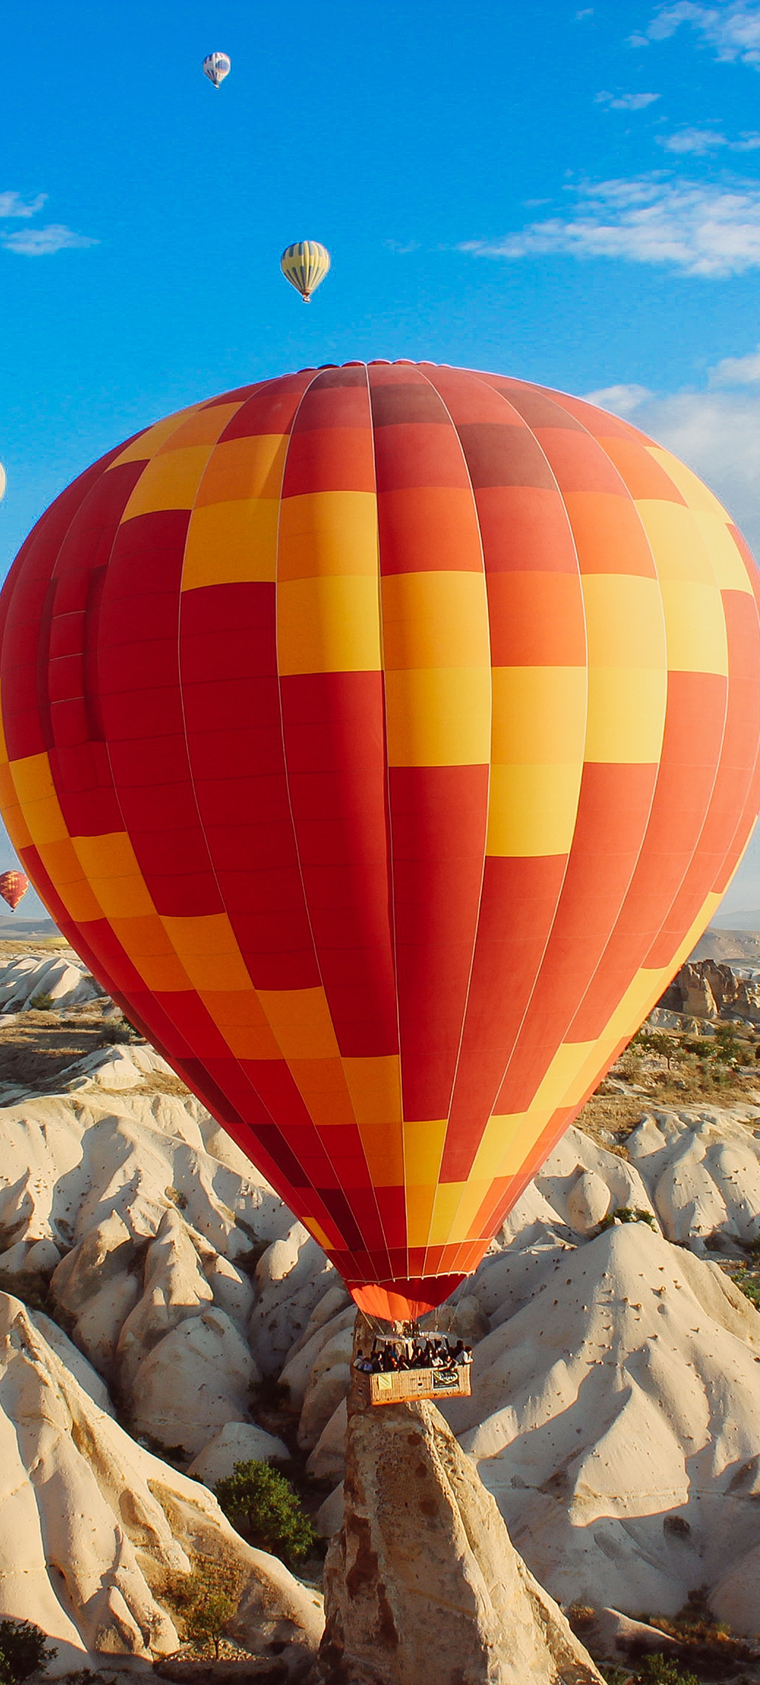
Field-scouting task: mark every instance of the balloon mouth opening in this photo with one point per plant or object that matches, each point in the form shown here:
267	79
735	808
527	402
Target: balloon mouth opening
403	1301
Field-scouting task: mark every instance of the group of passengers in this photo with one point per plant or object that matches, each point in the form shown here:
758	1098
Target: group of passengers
394	1356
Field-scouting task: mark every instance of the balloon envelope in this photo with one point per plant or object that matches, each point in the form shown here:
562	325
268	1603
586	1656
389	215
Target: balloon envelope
384	738
305	266
13	886
216	66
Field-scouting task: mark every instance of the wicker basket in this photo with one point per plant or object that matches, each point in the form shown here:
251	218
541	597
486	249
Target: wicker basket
398	1385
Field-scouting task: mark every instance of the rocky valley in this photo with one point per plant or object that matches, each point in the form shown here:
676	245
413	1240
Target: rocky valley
163	1317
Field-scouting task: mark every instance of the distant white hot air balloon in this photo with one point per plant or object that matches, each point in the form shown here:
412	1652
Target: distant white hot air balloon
216	66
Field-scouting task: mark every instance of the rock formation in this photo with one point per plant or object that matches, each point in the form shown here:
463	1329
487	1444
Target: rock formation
422	1585
95	1529
710	988
61	977
615	1413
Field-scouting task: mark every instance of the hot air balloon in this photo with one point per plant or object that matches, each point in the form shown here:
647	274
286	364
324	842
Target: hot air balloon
13	887
384	737
305	266
2	482
216	66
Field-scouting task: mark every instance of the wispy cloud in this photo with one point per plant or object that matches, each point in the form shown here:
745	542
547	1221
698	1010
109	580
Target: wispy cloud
622	399
737	371
731	28
12	204
626	102
35	242
41	242
700	141
699	229
717	430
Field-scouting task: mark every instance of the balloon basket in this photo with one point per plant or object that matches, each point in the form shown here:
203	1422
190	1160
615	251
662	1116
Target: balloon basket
399	1386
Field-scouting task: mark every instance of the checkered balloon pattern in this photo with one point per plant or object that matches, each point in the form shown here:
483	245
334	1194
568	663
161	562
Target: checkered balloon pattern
384	737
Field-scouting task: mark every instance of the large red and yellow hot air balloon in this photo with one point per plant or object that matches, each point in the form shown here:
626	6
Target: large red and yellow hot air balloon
384	737
13	887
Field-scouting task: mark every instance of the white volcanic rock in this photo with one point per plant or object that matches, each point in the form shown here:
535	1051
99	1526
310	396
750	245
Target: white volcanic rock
609	1418
160	1232
174	1288
328	1459
301	1372
566	1190
422	1583
292	1276
198	1377
90	1523
328	1385
236	1442
62	977
702	1169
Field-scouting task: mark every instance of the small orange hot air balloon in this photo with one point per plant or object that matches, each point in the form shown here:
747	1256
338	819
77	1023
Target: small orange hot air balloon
13	886
384	737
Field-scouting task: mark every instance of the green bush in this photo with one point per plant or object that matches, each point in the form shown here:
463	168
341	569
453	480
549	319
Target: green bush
42	1002
263	1506
627	1214
655	1670
661	1670
749	1283
23	1649
121	1032
726	1048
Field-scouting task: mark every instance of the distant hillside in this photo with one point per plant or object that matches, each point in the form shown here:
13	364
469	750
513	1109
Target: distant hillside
737	921
15	928
741	944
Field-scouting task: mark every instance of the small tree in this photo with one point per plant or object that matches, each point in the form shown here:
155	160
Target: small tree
23	1649
207	1615
266	1509
727	1049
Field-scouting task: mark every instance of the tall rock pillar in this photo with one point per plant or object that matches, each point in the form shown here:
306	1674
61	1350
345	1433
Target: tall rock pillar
422	1584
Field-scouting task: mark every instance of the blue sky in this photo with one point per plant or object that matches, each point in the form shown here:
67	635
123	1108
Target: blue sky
566	193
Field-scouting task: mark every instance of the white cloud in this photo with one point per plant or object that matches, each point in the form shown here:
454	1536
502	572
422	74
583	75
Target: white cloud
700	141
588	12
697	141
700	229
622	400
731	28
626	102
716	432
41	242
12	204
737	371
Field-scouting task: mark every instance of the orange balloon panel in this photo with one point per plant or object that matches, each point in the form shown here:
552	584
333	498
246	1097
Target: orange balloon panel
13	886
384	737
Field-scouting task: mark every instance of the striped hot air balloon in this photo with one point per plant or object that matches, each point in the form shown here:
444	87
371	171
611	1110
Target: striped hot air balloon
13	887
305	266
384	738
216	66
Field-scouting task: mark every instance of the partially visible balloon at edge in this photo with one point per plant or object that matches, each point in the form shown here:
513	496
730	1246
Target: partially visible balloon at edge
216	66
305	265
13	888
2	482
